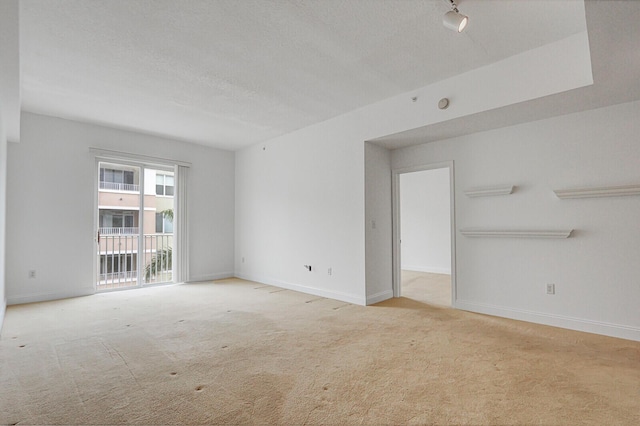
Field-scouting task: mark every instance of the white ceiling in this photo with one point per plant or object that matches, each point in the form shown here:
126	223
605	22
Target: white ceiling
614	41
230	73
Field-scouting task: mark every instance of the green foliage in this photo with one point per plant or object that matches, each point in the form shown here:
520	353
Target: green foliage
168	214
161	262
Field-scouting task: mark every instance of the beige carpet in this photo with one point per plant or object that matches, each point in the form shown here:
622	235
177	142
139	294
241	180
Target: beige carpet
236	352
433	289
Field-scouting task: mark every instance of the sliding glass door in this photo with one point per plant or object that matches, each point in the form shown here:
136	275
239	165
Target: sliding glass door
135	212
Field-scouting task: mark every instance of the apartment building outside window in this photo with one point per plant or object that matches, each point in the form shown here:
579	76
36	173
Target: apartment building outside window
118	179
164	224
135	226
164	185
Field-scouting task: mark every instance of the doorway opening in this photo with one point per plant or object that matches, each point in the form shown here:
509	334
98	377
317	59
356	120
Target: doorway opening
424	234
135	216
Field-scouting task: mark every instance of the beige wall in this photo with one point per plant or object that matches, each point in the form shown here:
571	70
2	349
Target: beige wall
130	200
120	199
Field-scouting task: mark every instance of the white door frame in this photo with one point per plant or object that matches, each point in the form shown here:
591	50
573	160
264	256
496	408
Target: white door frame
142	163
395	195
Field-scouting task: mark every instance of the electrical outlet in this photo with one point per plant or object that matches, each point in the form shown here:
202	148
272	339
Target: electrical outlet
551	289
32	273
329	271
243	259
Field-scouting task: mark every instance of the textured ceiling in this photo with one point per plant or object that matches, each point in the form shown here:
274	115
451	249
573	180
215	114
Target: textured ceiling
229	73
614	37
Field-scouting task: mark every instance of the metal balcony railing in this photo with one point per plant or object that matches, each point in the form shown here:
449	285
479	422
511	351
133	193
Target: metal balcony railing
119	186
159	268
119	231
119	254
118	276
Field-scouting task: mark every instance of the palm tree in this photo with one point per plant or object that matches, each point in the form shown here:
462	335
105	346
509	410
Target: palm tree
163	259
168	214
160	262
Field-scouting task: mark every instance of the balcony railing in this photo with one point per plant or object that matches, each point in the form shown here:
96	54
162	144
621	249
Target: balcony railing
118	276
159	268
121	250
112	186
119	231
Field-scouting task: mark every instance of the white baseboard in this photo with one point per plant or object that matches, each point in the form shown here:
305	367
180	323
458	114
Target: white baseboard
571	323
211	277
45	297
344	297
379	297
428	269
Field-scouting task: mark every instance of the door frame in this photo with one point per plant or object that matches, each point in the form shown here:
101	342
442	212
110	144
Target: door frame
142	163
396	225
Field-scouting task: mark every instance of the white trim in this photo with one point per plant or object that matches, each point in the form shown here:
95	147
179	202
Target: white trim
146	159
428	269
395	205
210	277
109	253
515	233
181	225
139	281
343	297
115	191
379	297
119	207
135	208
45	297
96	222
597	192
489	191
598	327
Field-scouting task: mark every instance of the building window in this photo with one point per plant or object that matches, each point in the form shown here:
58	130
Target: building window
118	222
118	266
164	225
118	180
164	185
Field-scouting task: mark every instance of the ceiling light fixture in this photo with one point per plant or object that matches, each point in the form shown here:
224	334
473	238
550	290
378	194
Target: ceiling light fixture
453	19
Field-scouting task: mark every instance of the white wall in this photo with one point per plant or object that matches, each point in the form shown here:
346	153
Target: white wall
10	87
300	197
50	205
378	232
300	201
149	181
596	270
425	218
9	116
3	207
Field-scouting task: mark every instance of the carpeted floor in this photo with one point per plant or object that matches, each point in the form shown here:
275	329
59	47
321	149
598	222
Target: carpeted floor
433	289
237	352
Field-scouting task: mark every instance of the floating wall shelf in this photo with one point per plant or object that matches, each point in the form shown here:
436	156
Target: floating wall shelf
489	191
515	233
604	191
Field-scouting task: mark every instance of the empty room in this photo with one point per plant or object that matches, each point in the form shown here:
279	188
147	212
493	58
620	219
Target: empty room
208	213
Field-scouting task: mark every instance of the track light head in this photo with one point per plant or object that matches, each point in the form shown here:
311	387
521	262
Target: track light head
454	20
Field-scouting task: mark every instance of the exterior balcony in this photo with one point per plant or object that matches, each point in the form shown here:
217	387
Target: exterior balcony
119	231
114	186
118	253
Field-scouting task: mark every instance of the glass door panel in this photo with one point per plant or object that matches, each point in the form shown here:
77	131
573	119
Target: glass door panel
158	226
118	236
